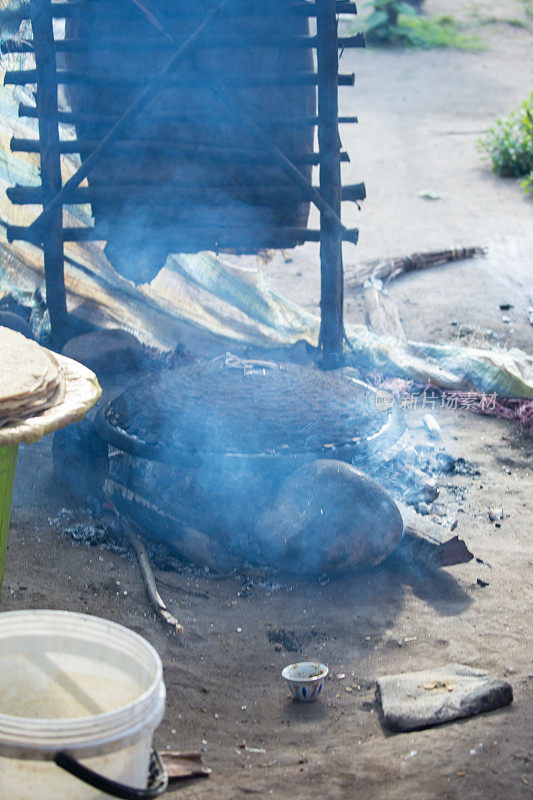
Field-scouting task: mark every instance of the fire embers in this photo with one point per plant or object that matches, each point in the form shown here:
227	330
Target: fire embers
329	517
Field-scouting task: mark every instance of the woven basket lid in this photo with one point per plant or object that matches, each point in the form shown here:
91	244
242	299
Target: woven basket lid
231	405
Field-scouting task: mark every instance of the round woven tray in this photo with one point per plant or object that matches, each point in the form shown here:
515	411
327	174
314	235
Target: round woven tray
81	393
245	408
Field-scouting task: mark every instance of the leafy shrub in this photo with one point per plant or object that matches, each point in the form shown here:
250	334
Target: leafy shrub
509	144
396	22
438	31
382	24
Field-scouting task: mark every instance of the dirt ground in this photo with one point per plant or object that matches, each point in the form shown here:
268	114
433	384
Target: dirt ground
420	115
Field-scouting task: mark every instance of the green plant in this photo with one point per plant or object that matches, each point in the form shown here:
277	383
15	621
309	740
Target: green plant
438	31
396	22
479	18
382	25
509	144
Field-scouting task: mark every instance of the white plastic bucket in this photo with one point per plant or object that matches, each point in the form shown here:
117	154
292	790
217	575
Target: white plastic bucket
80	686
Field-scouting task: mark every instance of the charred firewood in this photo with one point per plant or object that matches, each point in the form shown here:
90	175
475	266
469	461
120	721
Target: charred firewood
416	546
182	539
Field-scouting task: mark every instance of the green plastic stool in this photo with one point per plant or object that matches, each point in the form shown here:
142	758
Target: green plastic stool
8	463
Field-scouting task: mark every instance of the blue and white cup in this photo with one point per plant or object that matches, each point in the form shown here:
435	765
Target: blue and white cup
305	679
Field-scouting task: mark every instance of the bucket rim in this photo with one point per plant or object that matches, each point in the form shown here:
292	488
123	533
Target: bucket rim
41	739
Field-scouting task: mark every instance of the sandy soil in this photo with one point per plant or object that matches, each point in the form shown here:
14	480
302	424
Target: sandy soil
420	114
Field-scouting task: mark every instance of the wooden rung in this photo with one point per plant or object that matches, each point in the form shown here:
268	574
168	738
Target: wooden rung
122	46
247	193
21	77
232	237
207	153
354	192
15	46
95	120
347	42
76	9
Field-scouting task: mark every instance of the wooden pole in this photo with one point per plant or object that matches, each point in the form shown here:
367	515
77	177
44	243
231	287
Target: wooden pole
332	293
52	235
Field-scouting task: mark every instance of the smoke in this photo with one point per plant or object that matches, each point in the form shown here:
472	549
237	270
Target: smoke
279	506
188	175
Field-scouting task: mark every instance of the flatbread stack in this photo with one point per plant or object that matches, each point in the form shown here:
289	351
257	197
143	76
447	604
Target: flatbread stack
31	379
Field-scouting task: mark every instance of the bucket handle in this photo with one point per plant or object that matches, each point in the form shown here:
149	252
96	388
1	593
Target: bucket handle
157	780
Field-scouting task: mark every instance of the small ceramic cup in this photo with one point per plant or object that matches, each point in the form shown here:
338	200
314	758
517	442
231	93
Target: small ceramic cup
305	679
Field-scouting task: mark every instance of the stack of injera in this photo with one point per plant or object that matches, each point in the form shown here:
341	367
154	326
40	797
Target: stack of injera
31	379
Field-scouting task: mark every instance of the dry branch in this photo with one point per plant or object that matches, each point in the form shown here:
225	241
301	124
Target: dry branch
386	269
148	576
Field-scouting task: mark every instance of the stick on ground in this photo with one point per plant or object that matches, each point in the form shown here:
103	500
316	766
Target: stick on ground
148	576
